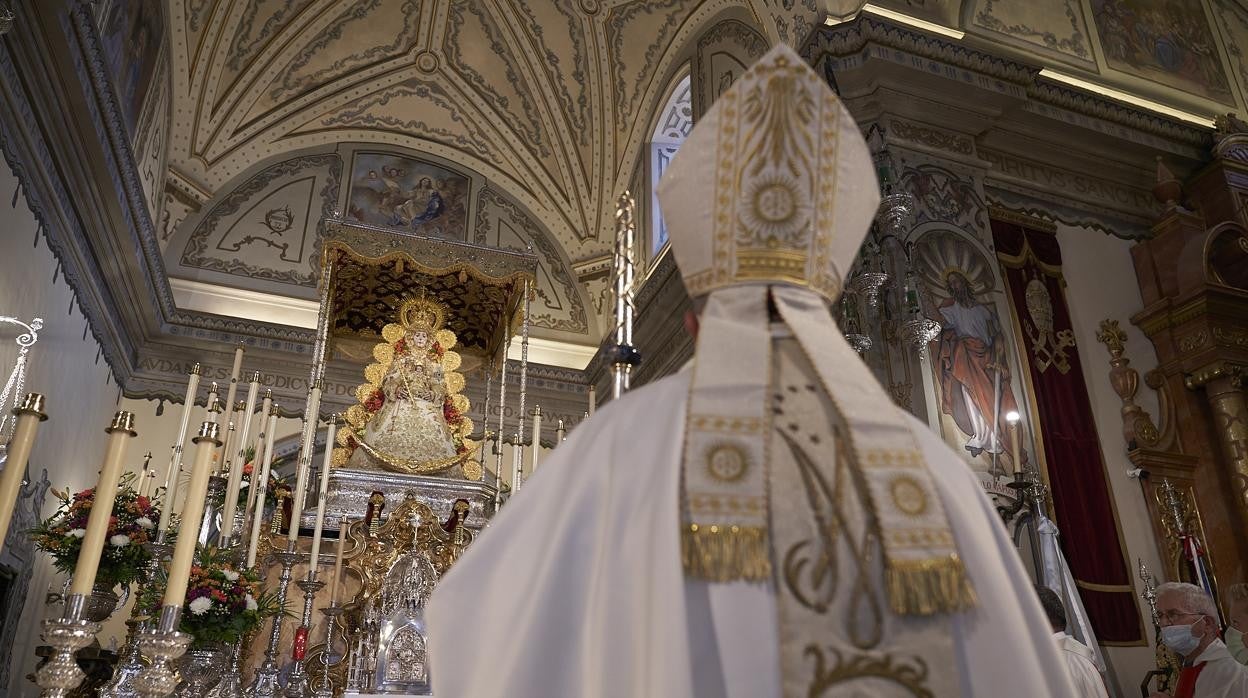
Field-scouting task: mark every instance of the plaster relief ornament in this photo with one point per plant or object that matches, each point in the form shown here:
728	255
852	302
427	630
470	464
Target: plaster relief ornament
412	415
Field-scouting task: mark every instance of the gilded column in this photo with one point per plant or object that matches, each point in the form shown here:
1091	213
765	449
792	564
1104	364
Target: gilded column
1224	388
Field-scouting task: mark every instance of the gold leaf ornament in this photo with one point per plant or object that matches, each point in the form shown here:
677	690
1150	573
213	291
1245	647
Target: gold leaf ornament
392	332
357	416
455	382
460	403
384	353
451	361
446	338
473	470
466	427
365	391
340	457
374	373
344	436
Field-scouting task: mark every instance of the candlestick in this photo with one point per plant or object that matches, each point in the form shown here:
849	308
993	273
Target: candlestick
325	689
29	413
162	645
592	400
297	684
516	465
306	445
264	683
260	485
119	432
206	444
66	635
342	546
537	437
175	461
141	480
236	465
321	496
235	371
258	448
561	433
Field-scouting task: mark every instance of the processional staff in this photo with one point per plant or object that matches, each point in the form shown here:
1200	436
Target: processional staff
624	355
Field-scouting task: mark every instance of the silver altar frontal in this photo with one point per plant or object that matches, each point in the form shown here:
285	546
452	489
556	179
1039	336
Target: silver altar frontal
350	490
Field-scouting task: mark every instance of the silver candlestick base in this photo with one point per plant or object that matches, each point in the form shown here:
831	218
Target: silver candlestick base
162	645
325	689
265	684
297	684
66	635
231	683
122	684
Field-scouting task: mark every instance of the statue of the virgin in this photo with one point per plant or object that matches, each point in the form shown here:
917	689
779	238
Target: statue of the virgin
412	416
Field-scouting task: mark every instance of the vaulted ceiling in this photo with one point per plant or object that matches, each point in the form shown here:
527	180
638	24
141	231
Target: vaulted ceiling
545	103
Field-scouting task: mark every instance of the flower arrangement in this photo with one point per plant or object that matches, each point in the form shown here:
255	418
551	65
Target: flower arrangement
132	524
224	603
270	492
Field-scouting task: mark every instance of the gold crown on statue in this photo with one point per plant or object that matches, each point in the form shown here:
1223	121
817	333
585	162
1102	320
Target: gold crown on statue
774	184
422	314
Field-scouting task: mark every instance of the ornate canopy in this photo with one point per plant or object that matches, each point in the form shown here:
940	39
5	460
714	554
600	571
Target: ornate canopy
376	269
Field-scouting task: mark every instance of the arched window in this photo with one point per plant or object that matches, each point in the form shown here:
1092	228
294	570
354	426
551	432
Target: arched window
675	122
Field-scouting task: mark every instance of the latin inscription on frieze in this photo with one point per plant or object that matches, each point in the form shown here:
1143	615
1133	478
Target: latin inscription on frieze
1072	184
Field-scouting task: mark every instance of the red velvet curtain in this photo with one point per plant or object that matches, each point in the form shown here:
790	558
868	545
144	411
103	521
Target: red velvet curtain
1082	501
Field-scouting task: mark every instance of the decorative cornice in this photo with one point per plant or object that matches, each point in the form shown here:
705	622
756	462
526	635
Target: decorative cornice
1026	220
1056	94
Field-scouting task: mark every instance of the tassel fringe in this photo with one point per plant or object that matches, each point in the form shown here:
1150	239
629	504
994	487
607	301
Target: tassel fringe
929	587
725	553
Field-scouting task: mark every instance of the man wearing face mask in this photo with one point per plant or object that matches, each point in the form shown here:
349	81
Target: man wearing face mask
1237	619
1189	627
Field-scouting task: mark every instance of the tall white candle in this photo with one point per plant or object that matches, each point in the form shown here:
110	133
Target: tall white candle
140	480
29	414
260	483
537	437
306	446
516	464
561	433
120	431
593	398
206	444
321	496
342	546
175	461
235	479
257	448
231	391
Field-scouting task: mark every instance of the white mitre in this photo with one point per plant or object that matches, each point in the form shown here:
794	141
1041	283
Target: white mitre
768	200
774	184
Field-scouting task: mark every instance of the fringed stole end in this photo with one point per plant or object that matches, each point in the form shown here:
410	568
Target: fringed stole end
725	553
929	587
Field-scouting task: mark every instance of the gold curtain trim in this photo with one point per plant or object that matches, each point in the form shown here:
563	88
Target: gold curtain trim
465	268
725	553
929	587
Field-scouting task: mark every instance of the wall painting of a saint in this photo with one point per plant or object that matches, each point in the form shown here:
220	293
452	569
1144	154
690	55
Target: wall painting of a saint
131	32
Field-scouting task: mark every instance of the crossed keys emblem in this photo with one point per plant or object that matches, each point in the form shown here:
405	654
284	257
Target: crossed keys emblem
1048	347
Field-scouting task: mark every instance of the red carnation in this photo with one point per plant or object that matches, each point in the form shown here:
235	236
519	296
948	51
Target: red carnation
400	347
375	401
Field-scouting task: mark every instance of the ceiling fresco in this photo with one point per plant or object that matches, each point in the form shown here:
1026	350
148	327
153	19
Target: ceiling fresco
513	122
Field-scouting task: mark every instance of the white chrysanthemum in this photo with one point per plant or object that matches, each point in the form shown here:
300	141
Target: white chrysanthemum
120	540
145	522
78	532
243	485
230	575
251	603
201	605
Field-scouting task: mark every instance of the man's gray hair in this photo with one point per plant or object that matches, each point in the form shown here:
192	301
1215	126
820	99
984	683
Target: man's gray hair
1193	598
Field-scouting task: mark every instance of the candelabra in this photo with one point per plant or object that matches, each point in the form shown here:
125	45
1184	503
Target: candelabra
162	645
230	685
131	665
325	689
264	685
297	686
624	356
67	634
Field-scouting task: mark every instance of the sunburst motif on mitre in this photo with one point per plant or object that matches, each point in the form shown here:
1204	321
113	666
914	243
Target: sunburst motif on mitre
777	177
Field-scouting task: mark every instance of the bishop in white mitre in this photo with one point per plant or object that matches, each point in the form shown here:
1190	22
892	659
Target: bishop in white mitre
766	522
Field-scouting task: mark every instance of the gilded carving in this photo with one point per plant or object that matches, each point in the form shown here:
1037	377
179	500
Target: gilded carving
1137	426
1192	342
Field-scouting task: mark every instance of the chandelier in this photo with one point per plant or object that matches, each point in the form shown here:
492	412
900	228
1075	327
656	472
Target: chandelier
871	281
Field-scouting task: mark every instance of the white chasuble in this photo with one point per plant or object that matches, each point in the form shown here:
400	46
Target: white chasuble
576	589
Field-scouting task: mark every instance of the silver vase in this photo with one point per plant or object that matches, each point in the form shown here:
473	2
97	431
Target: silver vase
200	669
101	603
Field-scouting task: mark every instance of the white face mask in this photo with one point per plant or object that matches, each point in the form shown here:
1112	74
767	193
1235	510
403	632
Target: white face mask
1180	638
